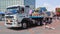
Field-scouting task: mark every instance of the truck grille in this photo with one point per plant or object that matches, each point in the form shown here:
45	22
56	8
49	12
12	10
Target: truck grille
9	23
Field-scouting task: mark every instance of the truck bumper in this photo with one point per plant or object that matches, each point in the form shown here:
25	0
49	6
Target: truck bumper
19	25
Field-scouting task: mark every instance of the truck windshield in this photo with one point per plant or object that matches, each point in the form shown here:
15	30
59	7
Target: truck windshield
12	10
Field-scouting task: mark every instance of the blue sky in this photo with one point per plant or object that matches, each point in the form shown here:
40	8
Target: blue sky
50	4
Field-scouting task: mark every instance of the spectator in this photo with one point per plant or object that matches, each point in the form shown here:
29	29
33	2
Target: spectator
47	20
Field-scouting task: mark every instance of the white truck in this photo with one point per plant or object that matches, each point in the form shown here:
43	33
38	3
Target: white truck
18	16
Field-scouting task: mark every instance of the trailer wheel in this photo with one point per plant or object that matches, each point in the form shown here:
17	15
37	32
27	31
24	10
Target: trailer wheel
24	25
38	23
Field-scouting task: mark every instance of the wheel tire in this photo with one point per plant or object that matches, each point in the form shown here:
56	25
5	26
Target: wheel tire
38	23
24	25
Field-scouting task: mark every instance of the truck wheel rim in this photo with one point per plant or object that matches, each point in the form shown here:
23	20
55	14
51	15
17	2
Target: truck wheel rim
38	23
24	25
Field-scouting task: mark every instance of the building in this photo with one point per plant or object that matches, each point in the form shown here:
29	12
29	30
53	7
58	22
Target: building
5	3
31	3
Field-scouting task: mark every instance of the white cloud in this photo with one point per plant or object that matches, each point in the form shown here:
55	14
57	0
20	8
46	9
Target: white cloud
49	7
58	6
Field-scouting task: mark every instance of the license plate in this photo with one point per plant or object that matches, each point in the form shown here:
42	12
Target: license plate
8	20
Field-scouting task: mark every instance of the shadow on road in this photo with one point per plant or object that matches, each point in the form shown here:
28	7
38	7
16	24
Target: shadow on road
19	28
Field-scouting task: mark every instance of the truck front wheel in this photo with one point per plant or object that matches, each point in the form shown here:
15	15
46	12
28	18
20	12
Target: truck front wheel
24	25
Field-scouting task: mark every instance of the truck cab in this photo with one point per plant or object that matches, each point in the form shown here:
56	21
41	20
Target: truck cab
16	16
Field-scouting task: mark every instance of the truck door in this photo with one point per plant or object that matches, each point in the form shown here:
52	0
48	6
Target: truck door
21	14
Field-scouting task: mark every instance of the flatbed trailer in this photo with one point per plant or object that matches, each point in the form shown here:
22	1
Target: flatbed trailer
38	20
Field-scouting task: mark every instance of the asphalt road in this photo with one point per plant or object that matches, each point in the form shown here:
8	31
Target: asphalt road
32	30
